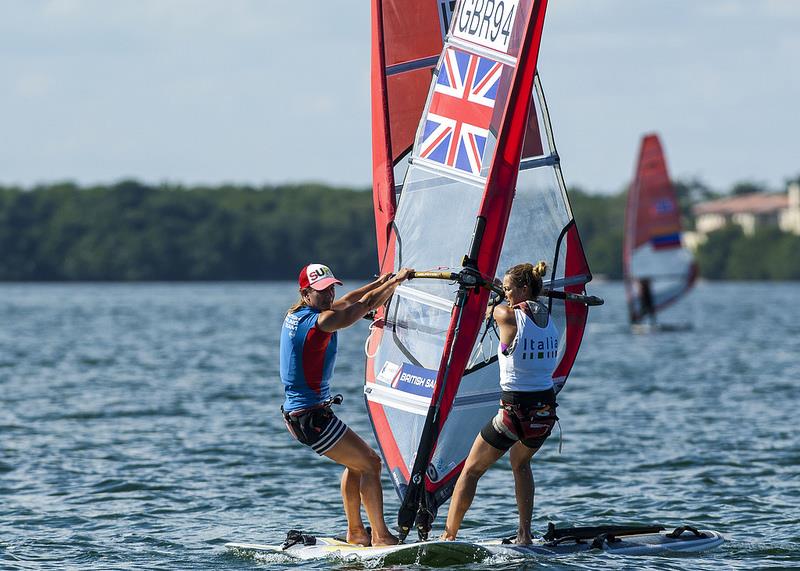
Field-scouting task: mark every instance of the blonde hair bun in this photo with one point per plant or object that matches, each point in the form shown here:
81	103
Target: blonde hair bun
527	274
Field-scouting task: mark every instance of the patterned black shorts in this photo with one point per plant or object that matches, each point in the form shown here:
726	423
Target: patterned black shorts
525	417
318	428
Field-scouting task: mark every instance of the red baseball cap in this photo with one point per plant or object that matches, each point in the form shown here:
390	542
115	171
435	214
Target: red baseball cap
317	276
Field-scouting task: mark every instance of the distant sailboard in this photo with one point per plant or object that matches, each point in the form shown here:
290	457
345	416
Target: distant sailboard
618	540
657	269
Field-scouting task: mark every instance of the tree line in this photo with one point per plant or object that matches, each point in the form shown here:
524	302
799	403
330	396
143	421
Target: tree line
134	232
131	231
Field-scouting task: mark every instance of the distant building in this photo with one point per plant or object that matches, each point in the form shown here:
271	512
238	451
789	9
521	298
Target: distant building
750	211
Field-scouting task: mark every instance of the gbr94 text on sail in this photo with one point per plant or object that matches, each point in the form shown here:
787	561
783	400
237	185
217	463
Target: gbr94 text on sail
487	22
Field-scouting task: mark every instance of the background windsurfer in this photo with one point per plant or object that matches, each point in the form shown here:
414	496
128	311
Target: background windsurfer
307	357
657	269
527	356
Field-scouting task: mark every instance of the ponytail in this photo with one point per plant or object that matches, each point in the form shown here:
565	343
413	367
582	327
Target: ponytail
300	303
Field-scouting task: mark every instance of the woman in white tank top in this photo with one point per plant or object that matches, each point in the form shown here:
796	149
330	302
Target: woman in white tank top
527	357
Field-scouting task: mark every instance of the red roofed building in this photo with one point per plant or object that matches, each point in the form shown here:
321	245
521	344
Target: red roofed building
751	211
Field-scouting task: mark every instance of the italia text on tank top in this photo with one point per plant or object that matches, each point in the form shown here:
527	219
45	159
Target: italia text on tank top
307	358
532	355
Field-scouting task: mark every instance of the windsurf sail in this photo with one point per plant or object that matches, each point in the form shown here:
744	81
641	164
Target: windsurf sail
657	269
481	190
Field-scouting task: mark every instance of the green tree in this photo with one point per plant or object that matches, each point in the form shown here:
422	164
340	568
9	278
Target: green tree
712	256
689	193
132	231
600	220
748	187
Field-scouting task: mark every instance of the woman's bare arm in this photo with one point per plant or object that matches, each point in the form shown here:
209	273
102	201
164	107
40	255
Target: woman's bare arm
341	317
506	322
356	294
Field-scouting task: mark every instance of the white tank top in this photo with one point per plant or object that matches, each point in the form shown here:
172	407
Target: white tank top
532	355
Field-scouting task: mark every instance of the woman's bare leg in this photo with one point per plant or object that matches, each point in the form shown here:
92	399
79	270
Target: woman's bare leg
481	456
524	489
361	461
351	497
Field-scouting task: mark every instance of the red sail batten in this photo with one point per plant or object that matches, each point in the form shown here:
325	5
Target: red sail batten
382	173
576	313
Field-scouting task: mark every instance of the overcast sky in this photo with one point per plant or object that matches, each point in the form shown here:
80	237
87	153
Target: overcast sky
269	91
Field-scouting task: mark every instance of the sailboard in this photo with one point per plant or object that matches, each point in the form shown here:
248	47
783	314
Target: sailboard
606	539
479	189
657	269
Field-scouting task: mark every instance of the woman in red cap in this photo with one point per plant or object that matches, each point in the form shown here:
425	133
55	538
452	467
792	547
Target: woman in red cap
308	354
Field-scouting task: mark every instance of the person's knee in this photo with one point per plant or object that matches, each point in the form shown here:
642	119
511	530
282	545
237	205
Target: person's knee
375	463
371	464
474	471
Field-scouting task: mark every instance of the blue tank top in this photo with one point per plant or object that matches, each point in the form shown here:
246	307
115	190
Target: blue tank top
308	355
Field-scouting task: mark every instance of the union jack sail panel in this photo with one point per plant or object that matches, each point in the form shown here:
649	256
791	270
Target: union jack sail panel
457	124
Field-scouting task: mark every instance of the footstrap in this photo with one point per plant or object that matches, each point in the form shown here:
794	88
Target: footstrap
592	532
599	541
294	537
509	540
680	530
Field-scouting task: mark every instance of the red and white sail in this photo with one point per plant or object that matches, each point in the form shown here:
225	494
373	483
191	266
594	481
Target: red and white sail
654	257
482	190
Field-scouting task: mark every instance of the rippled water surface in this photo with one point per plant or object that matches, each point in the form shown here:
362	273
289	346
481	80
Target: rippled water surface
139	428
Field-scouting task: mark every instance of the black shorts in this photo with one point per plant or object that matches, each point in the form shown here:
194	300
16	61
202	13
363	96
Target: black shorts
527	417
317	428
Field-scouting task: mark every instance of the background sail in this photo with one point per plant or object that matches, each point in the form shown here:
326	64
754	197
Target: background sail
652	248
462	170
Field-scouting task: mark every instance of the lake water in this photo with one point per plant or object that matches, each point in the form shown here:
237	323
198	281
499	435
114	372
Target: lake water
139	428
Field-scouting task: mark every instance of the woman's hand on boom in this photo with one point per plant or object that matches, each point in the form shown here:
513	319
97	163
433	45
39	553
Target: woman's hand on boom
404	274
347	311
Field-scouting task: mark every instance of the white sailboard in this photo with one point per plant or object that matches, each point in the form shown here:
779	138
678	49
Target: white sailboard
440	553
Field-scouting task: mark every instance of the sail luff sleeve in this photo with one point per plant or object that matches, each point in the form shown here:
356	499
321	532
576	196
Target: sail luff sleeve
382	172
407	38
